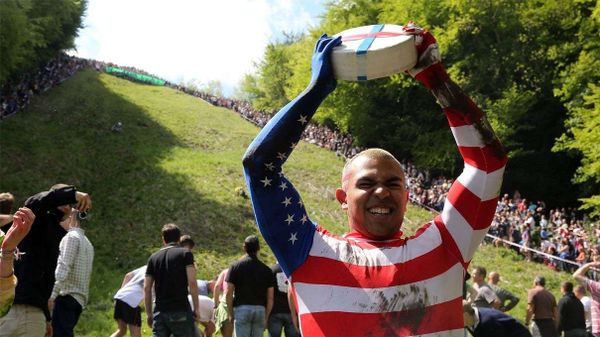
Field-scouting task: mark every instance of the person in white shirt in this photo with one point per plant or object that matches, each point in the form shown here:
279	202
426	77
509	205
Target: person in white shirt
587	306
128	313
73	273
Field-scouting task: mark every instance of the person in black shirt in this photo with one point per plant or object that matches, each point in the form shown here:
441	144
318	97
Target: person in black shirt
170	272
280	317
252	283
35	269
571	316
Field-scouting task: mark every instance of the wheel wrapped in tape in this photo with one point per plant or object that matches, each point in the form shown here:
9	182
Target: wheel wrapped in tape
375	51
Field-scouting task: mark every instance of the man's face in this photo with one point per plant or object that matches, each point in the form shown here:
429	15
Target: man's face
476	276
66	210
374	196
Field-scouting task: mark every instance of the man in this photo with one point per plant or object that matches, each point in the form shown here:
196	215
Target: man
170	272
373	281
486	322
587	306
30	315
541	308
503	294
281	318
21	224
128	313
485	298
571	316
249	292
594	288
73	273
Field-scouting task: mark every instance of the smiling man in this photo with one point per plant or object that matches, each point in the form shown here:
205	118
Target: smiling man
372	281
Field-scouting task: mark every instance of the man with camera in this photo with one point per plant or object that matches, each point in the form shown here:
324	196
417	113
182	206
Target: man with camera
30	315
73	272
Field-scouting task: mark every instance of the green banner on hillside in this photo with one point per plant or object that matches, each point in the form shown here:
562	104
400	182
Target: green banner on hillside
134	76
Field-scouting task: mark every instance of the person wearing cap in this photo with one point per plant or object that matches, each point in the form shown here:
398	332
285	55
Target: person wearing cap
250	291
503	294
488	322
30	314
542	311
373	280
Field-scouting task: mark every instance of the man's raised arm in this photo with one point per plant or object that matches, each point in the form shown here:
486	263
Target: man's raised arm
472	199
278	209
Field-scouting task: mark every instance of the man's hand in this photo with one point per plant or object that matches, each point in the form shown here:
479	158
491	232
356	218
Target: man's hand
22	221
84	202
428	53
197	315
322	71
149	321
48	329
50	305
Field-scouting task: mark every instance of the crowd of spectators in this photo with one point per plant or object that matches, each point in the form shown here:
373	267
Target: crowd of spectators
15	97
557	232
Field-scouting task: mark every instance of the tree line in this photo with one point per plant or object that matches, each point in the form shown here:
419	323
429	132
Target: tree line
533	66
34	31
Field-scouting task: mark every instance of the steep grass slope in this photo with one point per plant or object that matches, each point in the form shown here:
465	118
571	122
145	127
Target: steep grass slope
178	159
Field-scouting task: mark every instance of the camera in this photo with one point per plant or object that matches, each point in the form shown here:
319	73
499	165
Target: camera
81	215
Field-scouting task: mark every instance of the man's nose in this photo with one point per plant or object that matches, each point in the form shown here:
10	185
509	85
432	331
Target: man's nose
381	191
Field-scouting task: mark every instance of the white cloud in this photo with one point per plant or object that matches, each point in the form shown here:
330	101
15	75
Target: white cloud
189	40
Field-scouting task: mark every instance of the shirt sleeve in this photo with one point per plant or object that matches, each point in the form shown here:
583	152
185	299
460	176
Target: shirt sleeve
278	207
69	246
472	199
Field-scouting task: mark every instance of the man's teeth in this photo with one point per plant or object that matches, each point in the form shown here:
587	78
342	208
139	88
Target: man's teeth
379	210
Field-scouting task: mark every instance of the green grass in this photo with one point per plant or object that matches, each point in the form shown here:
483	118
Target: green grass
177	160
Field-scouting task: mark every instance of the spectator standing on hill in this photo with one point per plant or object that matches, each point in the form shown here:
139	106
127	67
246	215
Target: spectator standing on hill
73	274
221	314
485	298
21	224
571	316
372	280
281	318
541	310
594	288
587	306
30	315
249	292
170	272
487	322
503	294
128	313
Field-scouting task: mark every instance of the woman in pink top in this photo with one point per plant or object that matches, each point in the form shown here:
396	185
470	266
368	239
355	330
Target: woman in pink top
222	322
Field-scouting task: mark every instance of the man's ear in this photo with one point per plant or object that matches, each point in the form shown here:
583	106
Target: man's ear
340	195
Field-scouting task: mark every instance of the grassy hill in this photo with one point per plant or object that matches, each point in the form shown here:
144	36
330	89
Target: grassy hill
178	159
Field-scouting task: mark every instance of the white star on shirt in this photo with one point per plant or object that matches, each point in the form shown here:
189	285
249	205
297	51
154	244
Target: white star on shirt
280	173
293	145
300	202
287	201
289	219
304	219
283	185
303	119
293	237
266	182
280	155
270	166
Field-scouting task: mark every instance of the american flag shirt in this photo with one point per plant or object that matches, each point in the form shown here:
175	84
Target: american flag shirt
353	286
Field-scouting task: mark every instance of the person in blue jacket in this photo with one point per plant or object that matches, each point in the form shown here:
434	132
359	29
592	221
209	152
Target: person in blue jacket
487	322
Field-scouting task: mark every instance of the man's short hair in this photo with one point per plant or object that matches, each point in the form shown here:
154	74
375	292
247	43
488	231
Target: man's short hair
187	241
481	271
251	245
540	280
171	233
372	153
567	286
6	203
580	289
58	186
468	308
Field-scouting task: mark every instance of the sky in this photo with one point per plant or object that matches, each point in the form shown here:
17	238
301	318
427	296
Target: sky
187	41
